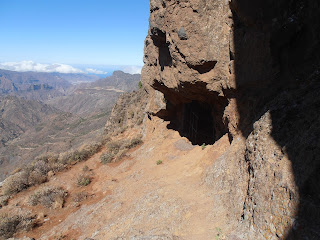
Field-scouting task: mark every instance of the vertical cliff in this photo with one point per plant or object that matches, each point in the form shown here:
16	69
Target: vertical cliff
249	70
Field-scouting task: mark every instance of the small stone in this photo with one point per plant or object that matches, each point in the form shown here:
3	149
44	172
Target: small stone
182	34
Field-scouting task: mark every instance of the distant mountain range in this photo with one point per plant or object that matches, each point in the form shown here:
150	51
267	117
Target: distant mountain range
119	80
18	115
88	98
40	86
44	112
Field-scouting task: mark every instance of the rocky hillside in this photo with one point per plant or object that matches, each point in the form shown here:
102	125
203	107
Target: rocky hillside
32	85
229	118
97	97
119	80
17	116
249	70
32	128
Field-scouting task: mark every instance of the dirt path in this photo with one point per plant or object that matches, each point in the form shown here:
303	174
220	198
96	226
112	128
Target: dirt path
136	198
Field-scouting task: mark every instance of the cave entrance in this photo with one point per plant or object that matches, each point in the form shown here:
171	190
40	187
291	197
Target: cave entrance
195	112
198	123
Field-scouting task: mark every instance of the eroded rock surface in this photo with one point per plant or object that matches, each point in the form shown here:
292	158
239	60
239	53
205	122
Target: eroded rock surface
251	70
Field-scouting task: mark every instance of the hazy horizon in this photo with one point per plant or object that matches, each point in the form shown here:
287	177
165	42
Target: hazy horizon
95	69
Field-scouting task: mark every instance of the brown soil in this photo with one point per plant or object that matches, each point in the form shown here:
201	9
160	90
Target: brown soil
136	197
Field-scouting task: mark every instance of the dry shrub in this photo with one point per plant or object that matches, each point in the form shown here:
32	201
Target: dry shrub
10	224
134	142
60	237
86	168
80	196
93	148
16	183
37	172
114	146
81	154
48	197
65	157
30	176
4	200
36	177
106	157
121	154
42	166
118	149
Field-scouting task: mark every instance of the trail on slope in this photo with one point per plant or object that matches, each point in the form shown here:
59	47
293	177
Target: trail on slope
136	198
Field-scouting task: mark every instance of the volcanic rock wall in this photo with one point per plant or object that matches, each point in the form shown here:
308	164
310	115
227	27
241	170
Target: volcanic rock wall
252	69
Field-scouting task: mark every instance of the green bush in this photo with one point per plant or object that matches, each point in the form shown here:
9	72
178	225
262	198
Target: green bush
203	146
83	180
159	162
140	84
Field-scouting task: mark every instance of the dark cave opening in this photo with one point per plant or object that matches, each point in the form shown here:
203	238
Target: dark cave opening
198	123
194	112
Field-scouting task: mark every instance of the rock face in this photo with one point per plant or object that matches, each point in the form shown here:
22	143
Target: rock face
249	70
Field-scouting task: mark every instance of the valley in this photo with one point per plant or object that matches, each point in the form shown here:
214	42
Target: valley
34	124
218	138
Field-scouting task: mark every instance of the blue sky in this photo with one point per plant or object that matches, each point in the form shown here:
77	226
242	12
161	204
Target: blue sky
102	32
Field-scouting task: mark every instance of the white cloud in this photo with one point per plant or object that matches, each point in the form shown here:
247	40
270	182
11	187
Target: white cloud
26	66
95	71
132	69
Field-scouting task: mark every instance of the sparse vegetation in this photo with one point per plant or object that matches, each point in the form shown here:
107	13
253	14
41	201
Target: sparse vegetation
118	149
114	146
219	235
106	157
140	84
121	154
83	180
4	200
203	146
10	224
127	112
81	154
80	196
134	142
86	168
48	197
159	162
60	237
32	175
37	172
15	183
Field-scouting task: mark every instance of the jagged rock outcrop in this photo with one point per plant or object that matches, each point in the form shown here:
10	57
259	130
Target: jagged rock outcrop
249	70
128	112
